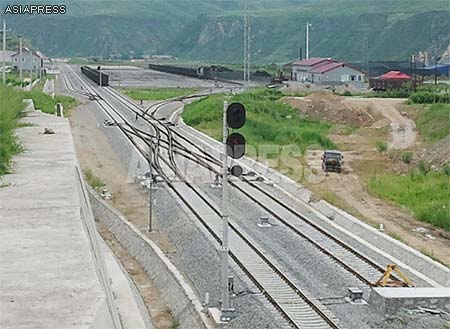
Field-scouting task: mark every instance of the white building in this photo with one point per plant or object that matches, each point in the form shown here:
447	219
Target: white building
325	71
30	60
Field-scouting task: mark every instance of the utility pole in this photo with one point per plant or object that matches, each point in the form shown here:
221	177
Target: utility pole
4	52
308	25
226	310
247	53
20	62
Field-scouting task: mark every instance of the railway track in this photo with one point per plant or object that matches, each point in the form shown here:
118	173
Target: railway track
359	265
299	309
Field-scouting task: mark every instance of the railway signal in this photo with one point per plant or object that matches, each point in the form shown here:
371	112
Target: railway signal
236	115
234	147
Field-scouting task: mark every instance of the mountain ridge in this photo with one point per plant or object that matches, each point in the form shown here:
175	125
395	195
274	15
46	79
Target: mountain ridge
212	31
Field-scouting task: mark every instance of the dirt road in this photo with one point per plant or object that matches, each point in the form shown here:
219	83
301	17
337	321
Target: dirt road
402	130
348	190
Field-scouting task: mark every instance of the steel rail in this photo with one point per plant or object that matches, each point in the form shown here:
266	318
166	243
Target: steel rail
330	322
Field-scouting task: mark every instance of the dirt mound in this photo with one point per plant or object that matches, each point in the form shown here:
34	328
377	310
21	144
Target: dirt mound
437	154
326	106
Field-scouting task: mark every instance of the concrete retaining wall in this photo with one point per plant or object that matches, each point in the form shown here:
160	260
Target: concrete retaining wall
184	304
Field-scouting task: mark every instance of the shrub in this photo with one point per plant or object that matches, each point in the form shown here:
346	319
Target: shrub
407	157
424	167
381	146
428	97
446	169
346	93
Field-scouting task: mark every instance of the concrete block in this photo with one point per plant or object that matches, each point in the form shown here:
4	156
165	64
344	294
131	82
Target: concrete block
388	301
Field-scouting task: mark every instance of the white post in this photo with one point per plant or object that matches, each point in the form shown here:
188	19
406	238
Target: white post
225	295
150	190
4	52
20	61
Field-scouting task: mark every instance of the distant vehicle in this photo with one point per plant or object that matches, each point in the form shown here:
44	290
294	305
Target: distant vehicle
332	161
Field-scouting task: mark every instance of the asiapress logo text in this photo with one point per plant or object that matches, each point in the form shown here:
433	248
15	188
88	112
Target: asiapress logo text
35	9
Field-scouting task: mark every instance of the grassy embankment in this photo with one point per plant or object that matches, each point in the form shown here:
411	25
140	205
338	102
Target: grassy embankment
424	192
274	131
158	94
11	110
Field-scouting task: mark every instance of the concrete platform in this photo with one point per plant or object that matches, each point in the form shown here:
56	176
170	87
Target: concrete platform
49	277
391	300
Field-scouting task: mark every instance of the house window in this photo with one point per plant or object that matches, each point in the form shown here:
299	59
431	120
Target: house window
353	78
345	77
15	59
359	78
23	59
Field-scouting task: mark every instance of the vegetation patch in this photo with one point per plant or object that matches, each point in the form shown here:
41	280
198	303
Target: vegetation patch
424	193
433	121
158	94
47	104
11	110
268	122
93	180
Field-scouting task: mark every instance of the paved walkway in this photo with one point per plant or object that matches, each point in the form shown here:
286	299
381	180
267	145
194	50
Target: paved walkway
48	275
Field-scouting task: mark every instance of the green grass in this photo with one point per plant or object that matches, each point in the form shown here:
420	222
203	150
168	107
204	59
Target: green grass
433	121
47	104
427	196
93	180
158	94
41	84
11	109
268	122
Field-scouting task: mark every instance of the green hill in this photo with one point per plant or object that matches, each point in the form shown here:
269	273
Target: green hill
212	30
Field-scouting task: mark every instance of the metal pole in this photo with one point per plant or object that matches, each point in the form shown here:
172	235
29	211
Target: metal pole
4	52
249	41
20	62
100	77
150	191
245	48
307	39
225	295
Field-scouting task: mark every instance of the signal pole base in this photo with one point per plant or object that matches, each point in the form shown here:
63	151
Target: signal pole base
221	317
226	315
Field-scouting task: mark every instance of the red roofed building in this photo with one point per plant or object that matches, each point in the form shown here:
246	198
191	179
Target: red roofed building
325	71
390	81
396	75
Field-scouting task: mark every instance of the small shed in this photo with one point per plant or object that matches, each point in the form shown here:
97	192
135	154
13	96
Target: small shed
390	81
